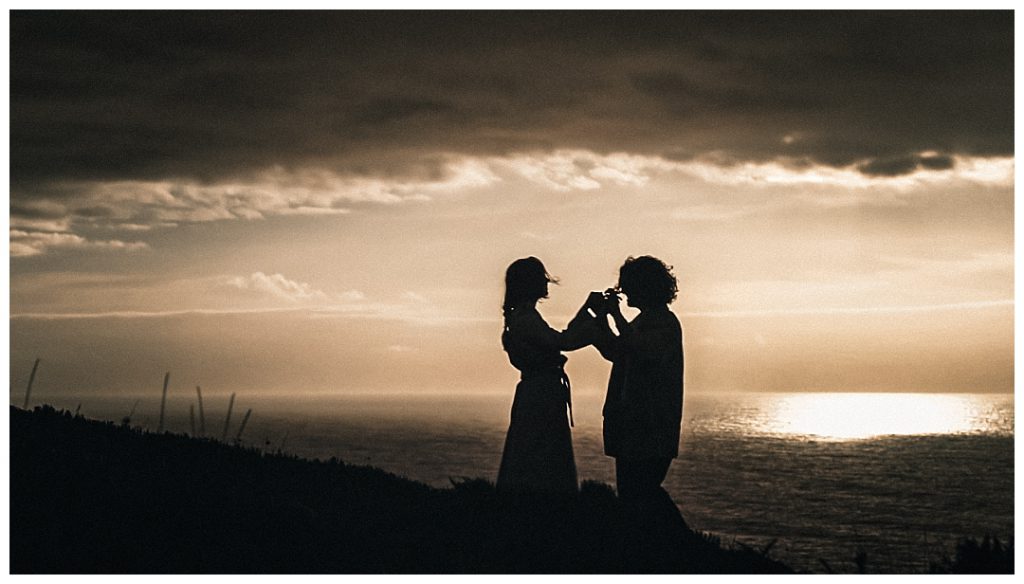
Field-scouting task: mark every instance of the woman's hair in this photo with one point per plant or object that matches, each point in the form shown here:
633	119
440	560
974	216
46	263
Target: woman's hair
647	281
526	280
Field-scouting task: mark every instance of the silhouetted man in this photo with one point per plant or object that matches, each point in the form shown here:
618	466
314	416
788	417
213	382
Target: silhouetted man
644	404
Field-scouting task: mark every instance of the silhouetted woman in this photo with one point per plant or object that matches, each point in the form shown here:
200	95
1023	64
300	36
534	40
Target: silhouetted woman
538	448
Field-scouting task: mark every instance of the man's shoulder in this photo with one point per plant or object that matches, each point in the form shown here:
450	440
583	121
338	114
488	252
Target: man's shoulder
659	319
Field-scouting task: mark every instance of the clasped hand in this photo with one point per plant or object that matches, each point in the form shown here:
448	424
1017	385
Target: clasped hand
590	323
603	303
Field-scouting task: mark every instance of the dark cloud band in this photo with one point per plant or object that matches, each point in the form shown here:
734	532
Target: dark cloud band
211	95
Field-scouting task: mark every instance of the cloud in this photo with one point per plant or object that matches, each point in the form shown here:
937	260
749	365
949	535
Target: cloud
402	312
38	210
972	265
905	165
580	170
864	310
213	98
414	297
33	243
277	286
135	314
536	236
352	296
292	291
583	170
712	213
135	205
994	171
39	215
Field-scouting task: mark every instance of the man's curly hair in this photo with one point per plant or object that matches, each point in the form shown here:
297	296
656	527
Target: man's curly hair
648	281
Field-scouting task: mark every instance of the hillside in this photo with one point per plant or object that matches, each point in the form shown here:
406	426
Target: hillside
95	497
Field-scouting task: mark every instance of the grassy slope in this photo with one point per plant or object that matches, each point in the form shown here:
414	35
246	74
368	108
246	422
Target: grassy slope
90	496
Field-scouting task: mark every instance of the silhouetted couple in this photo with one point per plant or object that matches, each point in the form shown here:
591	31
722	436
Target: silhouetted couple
643	406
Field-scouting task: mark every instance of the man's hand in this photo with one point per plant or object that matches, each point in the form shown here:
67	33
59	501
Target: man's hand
610	301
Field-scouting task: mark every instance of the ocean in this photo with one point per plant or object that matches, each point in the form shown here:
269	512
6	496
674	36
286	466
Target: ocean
815	477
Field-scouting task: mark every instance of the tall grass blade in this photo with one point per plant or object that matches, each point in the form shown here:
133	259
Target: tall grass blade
227	420
163	403
202	416
192	418
128	419
31	378
241	428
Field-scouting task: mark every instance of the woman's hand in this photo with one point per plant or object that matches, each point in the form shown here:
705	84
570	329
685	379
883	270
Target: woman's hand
595	303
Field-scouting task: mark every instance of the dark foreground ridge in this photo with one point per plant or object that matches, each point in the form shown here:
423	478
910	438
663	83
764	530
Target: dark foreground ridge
95	497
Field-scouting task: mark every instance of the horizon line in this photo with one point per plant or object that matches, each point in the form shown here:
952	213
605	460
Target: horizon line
336	311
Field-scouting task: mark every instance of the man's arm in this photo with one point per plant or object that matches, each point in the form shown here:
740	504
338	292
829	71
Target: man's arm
646	339
610	345
606	342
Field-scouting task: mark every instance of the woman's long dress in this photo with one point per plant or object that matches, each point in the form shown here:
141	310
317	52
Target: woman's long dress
538	454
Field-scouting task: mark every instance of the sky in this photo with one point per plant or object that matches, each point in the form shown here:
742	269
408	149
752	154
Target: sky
276	202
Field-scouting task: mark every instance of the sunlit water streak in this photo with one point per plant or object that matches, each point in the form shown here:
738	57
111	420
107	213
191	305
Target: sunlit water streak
858	416
901	476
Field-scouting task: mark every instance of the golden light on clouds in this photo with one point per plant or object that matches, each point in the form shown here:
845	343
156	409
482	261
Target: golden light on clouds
133	206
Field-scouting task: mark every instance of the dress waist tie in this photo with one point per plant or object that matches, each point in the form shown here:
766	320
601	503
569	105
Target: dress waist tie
563	379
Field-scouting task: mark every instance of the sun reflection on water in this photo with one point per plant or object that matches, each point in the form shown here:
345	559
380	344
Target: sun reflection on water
852	416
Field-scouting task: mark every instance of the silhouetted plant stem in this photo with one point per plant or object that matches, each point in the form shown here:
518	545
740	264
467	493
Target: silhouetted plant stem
31	378
192	418
128	419
227	419
241	428
163	403
202	416
280	447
